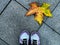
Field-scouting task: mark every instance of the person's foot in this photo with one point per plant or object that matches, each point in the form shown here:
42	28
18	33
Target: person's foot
24	38
35	39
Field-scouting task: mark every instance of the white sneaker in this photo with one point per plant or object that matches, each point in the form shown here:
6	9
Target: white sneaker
35	39
24	38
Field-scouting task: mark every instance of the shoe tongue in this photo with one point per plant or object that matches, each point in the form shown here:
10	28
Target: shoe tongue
24	41
34	42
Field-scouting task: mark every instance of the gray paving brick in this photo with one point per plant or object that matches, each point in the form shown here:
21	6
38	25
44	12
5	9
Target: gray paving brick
3	4
48	37
2	43
12	21
55	21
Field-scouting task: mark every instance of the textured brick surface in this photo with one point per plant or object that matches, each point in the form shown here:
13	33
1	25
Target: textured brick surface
12	21
55	21
2	43
48	37
3	4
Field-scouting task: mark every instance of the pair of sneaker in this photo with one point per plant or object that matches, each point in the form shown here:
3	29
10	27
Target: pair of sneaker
26	39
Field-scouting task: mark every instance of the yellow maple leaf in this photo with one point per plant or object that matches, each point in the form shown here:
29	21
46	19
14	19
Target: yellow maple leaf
39	11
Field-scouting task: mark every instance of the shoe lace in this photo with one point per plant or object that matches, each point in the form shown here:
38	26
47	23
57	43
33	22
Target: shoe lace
34	42
24	41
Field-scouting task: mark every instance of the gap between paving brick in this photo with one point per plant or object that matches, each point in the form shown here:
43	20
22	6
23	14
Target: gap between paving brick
4	41
5	7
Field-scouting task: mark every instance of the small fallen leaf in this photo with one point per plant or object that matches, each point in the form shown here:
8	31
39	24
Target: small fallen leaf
39	11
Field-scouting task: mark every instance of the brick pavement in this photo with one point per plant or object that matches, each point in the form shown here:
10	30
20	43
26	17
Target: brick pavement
13	20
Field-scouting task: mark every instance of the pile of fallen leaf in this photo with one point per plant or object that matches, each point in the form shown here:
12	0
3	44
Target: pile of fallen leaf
39	11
